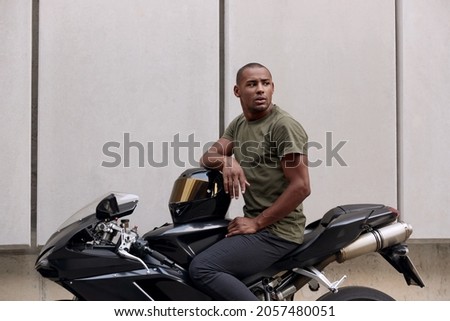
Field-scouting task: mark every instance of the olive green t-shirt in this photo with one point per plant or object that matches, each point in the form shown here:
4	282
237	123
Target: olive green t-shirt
259	147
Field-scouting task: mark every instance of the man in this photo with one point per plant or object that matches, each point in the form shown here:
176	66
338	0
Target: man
263	156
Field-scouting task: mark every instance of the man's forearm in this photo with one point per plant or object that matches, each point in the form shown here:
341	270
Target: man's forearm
214	161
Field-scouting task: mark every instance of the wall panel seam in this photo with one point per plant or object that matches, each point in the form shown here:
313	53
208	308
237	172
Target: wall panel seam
34	119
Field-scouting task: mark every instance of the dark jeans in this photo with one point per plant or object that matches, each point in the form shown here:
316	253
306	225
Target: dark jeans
218	269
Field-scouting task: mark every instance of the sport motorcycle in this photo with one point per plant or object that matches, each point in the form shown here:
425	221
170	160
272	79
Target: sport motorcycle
97	255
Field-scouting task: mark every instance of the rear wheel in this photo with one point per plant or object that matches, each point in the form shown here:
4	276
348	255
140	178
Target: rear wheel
356	293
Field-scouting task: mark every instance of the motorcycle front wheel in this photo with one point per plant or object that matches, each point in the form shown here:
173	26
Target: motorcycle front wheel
356	293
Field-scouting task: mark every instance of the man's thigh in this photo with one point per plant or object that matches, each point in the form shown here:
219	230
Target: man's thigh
244	255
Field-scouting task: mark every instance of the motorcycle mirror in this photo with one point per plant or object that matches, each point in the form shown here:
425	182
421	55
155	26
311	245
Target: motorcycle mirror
116	205
107	208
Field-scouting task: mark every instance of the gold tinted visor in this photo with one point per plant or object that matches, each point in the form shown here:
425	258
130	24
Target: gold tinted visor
190	189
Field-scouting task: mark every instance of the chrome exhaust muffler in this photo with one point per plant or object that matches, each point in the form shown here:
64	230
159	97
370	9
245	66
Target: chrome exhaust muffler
375	240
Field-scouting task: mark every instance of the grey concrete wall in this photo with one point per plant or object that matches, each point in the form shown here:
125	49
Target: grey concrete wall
15	116
424	113
336	76
122	86
367	72
19	280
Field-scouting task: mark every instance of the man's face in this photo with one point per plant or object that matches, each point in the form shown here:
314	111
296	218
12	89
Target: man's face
255	89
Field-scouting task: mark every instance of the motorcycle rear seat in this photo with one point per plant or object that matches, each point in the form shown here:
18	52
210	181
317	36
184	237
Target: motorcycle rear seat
343	209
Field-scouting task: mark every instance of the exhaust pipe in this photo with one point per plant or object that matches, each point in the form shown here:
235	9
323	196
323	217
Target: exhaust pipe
376	240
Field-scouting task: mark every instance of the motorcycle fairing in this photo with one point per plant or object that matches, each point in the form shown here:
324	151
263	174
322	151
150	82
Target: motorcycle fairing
157	284
181	243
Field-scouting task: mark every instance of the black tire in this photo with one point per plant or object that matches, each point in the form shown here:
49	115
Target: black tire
356	293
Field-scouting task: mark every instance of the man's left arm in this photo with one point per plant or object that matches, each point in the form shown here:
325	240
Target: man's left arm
295	169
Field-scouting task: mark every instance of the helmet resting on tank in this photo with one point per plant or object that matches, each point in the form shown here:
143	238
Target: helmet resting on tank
198	194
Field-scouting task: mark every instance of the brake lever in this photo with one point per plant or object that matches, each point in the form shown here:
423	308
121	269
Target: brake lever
126	240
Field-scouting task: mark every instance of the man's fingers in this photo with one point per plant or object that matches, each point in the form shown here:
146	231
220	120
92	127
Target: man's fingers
236	188
232	187
225	184
244	185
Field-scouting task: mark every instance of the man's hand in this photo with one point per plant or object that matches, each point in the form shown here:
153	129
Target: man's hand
219	156
234	179
242	225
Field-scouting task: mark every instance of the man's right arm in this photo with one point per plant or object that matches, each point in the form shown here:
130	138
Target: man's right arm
215	157
219	157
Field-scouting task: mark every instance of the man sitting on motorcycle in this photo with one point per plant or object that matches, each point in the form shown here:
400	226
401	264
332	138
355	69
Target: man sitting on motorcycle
263	156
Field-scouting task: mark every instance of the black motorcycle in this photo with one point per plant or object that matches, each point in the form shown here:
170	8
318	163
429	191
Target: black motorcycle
95	254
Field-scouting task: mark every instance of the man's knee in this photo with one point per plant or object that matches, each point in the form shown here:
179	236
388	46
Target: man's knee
196	270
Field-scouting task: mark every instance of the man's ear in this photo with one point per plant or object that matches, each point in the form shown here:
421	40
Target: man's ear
236	91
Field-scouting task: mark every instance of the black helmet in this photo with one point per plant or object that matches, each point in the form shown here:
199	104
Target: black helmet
198	194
